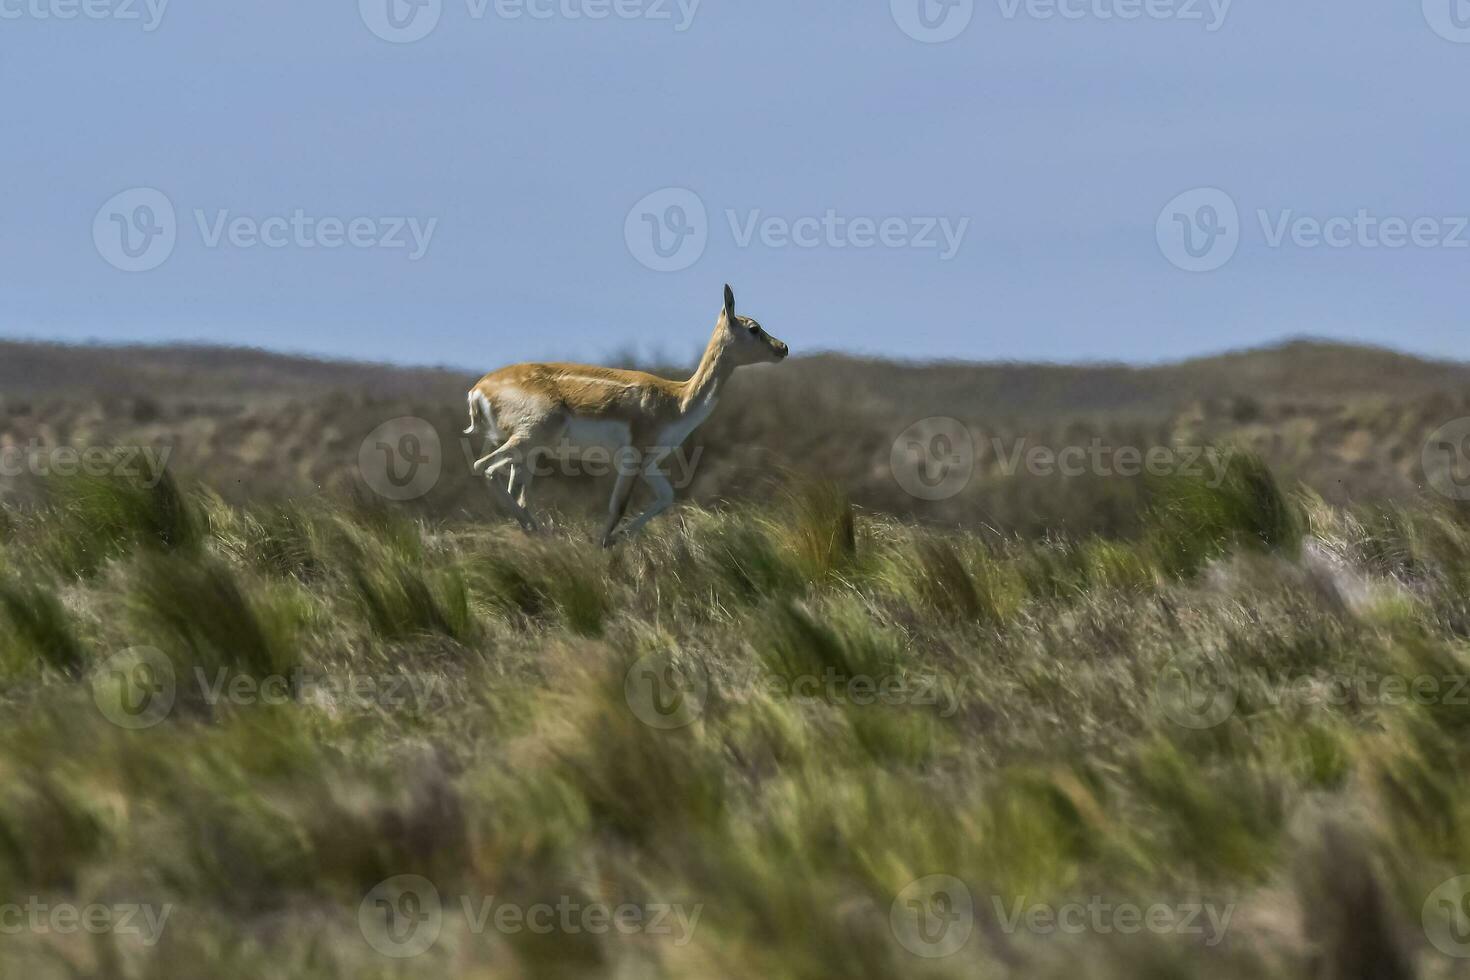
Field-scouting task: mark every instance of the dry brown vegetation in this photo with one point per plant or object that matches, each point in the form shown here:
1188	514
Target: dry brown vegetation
1348	422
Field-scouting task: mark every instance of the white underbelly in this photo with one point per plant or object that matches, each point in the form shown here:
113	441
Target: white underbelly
583	434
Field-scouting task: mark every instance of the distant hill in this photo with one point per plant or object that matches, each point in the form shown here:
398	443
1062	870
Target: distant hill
1347	420
1308	370
32	370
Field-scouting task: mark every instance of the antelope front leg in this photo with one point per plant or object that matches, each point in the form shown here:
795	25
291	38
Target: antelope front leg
616	507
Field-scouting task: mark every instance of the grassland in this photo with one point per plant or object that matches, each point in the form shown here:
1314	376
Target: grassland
1347	422
743	744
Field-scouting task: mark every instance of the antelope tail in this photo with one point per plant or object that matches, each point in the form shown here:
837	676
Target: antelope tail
479	413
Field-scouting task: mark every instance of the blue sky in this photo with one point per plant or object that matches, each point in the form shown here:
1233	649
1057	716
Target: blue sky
1002	194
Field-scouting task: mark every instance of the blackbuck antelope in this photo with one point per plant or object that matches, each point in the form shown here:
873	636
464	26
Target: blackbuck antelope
640	419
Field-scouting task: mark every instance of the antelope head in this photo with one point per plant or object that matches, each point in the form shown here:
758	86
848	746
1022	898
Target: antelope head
746	340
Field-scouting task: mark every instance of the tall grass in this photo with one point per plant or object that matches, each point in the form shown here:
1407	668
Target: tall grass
94	519
38	629
1050	769
1198	518
206	615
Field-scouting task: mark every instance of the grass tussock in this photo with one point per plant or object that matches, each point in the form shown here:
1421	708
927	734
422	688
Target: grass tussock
1198	518
97	518
38	630
399	600
207	615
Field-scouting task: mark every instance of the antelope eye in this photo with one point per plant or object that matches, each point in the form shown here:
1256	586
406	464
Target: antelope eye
755	328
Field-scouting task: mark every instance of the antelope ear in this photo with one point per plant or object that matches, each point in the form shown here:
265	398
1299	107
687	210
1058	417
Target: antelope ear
729	302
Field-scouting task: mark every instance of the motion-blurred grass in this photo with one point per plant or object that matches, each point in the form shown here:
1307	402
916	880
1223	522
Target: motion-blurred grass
1039	756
